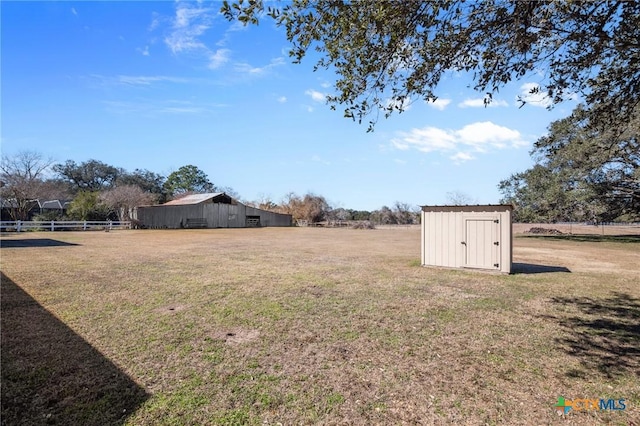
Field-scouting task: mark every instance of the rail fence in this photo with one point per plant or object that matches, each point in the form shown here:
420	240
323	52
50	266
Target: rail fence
53	225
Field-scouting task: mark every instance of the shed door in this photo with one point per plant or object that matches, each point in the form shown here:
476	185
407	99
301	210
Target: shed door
482	243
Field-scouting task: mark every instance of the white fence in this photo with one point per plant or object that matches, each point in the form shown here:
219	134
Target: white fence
52	225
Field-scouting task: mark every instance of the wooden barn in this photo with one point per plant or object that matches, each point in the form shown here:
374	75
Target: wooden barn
213	210
478	237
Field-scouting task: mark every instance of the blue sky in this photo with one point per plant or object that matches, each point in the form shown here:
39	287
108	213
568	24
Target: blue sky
159	85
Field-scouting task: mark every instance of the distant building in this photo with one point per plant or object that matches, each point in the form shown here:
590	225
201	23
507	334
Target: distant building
36	207
212	210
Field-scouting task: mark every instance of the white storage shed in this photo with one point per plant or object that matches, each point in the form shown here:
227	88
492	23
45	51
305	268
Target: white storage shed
476	237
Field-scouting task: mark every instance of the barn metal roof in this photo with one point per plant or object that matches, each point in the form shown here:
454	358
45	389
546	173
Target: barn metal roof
194	199
48	204
51	204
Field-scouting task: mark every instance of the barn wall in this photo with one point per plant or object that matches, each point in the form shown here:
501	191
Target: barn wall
269	218
168	216
217	215
240	219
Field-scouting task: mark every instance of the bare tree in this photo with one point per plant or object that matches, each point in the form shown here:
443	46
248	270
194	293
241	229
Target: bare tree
264	202
311	208
384	216
21	179
459	198
405	213
124	199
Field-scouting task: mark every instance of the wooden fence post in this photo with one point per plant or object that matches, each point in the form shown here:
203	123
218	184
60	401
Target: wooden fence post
53	226
19	226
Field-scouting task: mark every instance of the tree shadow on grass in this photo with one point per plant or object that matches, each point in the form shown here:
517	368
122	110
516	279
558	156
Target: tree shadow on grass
34	242
605	335
531	268
51	375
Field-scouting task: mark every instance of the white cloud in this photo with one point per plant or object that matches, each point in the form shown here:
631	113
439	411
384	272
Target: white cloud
147	80
186	34
316	96
461	157
247	69
244	68
539	99
189	24
155	108
282	99
218	58
235	26
439	104
74	11
426	140
483	134
144	52
155	21
474	137
479	102
317	159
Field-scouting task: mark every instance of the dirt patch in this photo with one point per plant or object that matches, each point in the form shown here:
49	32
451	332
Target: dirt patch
237	336
171	309
543	231
317	291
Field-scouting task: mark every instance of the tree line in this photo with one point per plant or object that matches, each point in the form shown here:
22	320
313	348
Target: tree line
312	208
99	191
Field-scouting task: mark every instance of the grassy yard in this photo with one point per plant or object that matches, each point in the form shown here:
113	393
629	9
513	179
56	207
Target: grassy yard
306	326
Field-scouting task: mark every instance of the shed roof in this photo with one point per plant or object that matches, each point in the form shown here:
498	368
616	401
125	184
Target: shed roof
199	198
469	208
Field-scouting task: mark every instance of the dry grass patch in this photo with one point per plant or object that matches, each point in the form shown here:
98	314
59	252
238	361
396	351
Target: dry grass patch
303	326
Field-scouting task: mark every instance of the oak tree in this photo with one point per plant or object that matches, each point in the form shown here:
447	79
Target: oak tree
582	173
91	175
387	53
188	179
148	181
